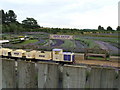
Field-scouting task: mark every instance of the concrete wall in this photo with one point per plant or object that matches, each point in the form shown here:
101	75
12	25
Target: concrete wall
52	75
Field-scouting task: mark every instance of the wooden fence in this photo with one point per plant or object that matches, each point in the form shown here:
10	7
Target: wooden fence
23	74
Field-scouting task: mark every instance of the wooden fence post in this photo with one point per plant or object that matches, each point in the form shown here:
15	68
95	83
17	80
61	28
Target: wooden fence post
27	76
47	75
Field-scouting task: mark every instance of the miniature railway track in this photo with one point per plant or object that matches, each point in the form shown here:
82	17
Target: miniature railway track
99	63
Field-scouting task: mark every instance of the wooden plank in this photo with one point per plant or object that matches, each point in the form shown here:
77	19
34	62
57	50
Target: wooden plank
8	73
74	77
47	75
27	77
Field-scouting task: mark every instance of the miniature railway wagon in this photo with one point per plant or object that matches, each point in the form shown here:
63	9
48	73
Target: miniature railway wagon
68	57
6	52
59	55
30	55
18	53
43	55
1	51
56	55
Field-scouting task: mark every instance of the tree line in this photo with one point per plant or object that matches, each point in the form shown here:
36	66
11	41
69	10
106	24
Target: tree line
9	23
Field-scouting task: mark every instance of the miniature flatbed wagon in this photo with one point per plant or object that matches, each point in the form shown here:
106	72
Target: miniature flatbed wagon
94	53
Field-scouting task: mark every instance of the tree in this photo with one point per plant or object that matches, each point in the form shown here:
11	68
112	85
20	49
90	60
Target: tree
2	17
109	28
118	28
30	23
11	17
100	28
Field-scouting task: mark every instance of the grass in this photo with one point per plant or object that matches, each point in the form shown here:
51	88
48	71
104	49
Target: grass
97	58
90	43
97	35
68	44
27	42
44	42
114	40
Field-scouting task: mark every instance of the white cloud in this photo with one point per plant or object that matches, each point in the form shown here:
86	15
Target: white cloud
66	13
106	16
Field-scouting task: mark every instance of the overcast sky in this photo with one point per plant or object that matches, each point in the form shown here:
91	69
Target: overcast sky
79	14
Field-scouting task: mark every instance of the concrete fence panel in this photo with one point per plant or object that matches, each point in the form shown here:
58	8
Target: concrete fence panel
47	75
93	77
27	77
0	73
107	78
74	77
116	83
8	74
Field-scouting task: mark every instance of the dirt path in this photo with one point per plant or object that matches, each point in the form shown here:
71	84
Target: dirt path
107	46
